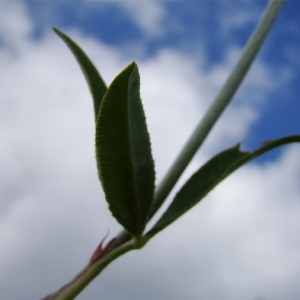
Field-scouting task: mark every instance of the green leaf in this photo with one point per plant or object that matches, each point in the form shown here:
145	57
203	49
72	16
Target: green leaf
208	176
92	76
123	151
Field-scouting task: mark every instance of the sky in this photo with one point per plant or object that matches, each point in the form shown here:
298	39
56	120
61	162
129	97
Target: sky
241	241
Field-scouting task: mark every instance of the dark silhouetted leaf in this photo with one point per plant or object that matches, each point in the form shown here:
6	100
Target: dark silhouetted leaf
123	151
92	76
208	176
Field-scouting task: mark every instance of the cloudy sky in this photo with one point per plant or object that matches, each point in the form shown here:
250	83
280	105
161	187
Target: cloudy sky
241	242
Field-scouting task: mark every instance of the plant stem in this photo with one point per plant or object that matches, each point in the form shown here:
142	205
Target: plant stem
71	290
222	100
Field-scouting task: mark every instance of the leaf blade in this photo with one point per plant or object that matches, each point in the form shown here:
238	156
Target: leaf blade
123	150
208	176
94	80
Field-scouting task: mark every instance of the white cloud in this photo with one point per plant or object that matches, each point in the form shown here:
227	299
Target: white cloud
14	24
240	242
233	17
147	15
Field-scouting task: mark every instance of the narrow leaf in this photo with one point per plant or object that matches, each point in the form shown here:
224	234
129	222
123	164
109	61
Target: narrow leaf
92	76
123	151
208	176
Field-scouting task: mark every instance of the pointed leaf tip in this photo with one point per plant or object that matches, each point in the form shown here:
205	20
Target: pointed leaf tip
92	76
123	151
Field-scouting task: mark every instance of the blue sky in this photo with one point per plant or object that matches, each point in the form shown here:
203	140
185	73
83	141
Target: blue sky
197	28
239	243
